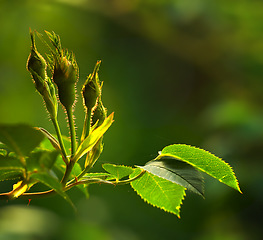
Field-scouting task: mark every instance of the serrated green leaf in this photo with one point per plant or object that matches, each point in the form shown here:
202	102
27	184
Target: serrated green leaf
118	171
10	168
159	192
176	171
52	182
102	176
10	174
93	138
10	163
20	138
204	161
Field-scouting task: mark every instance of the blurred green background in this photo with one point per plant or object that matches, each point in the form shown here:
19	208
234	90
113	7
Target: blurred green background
174	72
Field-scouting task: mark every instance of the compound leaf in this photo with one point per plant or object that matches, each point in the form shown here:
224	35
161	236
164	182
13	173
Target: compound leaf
176	171
159	192
20	138
204	161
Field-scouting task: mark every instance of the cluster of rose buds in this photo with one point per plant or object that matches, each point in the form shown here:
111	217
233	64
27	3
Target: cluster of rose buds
62	86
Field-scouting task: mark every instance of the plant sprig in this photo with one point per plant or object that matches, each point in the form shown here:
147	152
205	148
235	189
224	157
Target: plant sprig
32	155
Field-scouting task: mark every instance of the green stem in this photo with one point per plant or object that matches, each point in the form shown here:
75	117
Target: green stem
72	131
60	140
5	196
69	186
130	179
67	172
71	163
79	176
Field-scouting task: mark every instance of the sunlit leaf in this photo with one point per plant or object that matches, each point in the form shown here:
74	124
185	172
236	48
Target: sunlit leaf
93	137
204	161
95	175
159	192
20	138
18	189
118	171
176	171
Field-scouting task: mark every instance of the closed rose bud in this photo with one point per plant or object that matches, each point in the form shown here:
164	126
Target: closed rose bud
91	89
99	114
37	66
65	76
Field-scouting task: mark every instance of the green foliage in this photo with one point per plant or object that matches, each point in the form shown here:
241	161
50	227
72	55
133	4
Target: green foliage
34	155
204	161
90	141
117	172
20	139
178	172
159	192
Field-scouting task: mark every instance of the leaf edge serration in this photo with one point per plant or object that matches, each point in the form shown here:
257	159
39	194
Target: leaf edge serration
178	208
236	187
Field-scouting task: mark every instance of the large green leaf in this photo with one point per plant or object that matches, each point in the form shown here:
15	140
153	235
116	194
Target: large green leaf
52	182
159	192
10	163
117	171
10	174
176	171
93	137
10	168
204	161
41	160
20	138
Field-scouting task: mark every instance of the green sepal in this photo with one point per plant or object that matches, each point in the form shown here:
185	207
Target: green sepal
37	65
54	142
93	138
91	89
